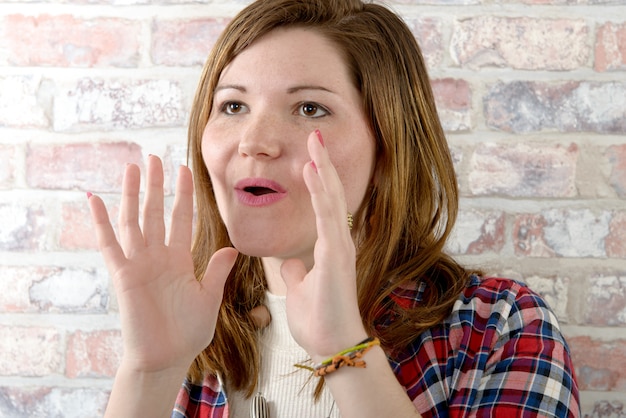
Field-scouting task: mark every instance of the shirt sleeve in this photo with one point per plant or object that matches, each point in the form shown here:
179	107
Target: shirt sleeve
499	353
528	370
206	400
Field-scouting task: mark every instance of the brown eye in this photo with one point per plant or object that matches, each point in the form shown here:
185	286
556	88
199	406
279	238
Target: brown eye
233	108
309	109
312	110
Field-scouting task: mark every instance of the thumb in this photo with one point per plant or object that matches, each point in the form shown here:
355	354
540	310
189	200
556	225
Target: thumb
216	273
293	272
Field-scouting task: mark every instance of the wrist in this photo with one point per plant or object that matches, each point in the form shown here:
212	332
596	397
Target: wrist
140	392
350	357
143	372
338	345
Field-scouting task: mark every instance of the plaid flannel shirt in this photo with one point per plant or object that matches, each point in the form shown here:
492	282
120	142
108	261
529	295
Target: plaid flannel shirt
500	353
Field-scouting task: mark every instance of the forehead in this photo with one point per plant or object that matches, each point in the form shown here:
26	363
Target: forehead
289	54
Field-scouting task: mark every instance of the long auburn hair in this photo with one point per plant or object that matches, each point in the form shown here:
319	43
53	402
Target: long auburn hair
405	220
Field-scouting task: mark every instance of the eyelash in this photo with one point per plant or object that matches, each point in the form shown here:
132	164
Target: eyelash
313	104
226	108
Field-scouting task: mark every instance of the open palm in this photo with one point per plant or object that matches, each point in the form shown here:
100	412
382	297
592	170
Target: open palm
167	315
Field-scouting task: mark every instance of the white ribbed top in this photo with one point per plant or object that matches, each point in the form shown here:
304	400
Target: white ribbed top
283	385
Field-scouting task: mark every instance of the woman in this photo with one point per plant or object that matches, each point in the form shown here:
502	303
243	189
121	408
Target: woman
318	155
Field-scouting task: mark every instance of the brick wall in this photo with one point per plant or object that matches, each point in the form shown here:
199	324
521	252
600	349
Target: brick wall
532	94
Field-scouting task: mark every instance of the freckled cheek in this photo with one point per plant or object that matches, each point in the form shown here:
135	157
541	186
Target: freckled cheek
215	148
215	162
208	157
217	172
355	180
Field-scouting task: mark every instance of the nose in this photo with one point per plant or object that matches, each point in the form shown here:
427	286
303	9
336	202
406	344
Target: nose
261	138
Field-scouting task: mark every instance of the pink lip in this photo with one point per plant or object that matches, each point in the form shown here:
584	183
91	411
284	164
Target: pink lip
244	188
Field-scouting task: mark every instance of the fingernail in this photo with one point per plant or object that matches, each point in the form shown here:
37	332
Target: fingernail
319	136
314	166
89	194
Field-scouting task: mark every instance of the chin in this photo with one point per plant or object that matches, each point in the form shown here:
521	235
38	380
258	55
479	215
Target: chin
265	239
253	251
267	247
254	246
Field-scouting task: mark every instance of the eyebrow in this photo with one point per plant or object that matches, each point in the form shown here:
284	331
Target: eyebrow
290	90
230	86
296	89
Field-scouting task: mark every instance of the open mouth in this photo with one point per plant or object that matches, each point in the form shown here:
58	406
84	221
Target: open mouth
258	191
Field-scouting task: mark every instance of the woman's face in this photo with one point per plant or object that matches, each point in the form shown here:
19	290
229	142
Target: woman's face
267	102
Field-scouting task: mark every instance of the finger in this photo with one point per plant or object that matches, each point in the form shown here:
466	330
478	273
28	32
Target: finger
293	272
107	241
182	215
324	167
153	222
217	272
130	234
326	189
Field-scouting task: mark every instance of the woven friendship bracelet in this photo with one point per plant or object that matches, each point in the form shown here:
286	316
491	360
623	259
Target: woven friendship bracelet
350	357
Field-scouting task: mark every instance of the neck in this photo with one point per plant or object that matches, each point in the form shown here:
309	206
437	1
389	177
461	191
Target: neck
275	283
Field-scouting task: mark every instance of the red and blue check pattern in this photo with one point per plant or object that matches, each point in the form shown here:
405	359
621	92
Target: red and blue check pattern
500	353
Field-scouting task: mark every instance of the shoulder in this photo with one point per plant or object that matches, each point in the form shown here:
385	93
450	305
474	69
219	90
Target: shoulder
493	289
498	332
502	305
488	295
488	311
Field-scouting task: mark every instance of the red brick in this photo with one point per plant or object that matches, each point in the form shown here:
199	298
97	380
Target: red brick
525	106
477	232
600	365
457	157
53	289
34	401
119	104
87	167
428	32
30	351
610	51
8	155
93	354
19	105
577	233
67	41
15	283
453	98
528	236
606	301
554	291
71	290
594	3
184	42
23	226
617	160
608	408
499	41
77	231
524	170
561	233
615	242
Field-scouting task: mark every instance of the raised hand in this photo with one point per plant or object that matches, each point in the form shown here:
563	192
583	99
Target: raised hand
322	307
167	316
